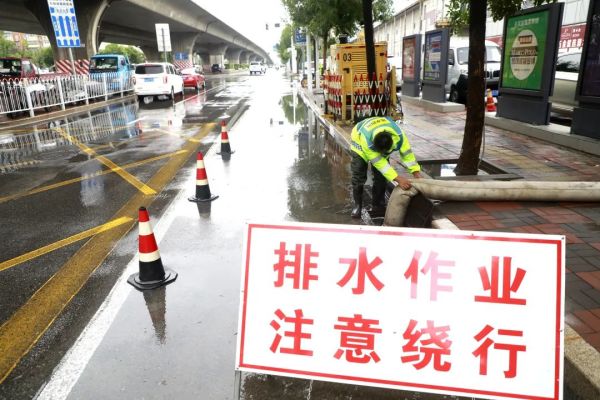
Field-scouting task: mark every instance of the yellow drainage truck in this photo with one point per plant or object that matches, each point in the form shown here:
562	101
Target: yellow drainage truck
351	59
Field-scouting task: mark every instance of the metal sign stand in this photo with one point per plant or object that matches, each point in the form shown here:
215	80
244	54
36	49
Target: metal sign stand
72	61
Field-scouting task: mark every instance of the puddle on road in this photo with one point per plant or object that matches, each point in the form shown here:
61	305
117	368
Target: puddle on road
319	180
116	122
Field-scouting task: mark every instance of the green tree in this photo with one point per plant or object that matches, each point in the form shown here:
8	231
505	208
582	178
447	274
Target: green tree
321	17
43	57
284	44
135	56
7	47
473	13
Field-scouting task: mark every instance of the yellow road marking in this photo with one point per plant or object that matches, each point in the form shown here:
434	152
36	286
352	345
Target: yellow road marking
90	176
26	326
62	243
118	170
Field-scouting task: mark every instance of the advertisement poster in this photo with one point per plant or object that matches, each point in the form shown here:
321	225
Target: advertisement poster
433	56
408	58
525	45
590	85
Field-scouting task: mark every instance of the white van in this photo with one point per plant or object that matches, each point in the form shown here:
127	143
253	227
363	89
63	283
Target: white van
458	64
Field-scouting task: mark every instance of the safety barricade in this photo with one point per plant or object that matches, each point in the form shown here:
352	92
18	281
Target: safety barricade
372	97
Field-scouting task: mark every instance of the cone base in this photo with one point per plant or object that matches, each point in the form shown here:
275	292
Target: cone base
134	280
197	200
225	152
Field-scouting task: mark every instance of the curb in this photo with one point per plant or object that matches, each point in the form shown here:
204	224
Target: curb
553	133
581	360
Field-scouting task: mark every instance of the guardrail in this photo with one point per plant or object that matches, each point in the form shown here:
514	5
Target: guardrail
33	94
115	123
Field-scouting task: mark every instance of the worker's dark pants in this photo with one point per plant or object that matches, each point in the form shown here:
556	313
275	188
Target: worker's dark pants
359	169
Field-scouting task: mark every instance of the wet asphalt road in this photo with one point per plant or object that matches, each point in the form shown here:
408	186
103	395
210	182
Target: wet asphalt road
55	183
179	341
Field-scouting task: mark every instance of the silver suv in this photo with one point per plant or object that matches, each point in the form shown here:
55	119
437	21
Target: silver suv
565	83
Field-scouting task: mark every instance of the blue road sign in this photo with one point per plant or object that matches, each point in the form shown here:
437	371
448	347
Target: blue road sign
299	37
181	56
64	21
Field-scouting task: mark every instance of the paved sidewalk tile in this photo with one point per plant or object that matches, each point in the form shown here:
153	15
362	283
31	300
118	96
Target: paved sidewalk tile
439	136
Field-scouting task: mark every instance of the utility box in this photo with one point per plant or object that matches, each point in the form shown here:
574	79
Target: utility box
351	59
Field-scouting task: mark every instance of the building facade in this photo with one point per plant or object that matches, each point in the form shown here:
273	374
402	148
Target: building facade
419	16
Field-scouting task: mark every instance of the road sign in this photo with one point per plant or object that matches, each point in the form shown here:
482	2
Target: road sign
299	37
163	37
181	56
64	22
468	313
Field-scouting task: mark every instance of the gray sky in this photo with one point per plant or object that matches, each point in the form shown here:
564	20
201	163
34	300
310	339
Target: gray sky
250	17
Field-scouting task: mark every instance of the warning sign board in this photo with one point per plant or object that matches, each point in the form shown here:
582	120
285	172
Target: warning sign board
454	312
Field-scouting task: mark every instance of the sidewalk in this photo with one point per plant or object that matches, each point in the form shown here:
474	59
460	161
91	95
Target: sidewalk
435	136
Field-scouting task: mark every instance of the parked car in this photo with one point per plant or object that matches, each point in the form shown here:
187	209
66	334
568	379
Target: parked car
565	83
157	79
458	64
216	68
17	68
257	68
116	68
194	78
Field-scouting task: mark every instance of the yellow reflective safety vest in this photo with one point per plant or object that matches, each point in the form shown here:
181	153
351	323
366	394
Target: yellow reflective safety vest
362	143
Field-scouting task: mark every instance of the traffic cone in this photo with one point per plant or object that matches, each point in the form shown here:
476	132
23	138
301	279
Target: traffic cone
490	106
202	188
225	146
151	274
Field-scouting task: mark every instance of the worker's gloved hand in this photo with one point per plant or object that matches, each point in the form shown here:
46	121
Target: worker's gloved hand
402	182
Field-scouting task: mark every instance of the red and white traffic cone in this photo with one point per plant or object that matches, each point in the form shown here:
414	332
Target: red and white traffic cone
151	274
202	188
225	146
490	105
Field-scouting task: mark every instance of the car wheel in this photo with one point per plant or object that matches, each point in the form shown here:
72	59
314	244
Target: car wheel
454	95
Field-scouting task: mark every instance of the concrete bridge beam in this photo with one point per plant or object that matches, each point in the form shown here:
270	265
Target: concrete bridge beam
184	43
217	54
152	54
233	55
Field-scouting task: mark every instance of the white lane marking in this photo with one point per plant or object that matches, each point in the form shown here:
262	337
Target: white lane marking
69	370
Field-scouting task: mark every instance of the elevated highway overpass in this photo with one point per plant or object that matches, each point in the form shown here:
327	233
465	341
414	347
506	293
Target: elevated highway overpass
194	30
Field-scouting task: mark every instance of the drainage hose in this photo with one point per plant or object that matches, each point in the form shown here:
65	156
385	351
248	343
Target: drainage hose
489	191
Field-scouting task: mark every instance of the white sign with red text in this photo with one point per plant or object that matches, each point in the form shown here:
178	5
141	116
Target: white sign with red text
454	312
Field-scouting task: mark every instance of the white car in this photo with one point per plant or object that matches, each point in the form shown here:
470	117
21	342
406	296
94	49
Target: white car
156	79
257	68
565	84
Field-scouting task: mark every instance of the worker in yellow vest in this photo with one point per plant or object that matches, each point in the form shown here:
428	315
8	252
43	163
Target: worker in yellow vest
373	141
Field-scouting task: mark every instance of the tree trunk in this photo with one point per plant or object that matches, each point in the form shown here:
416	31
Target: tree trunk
369	40
468	161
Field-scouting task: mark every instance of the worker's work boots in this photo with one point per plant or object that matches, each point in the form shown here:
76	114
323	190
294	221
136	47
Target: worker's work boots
357	196
377	208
